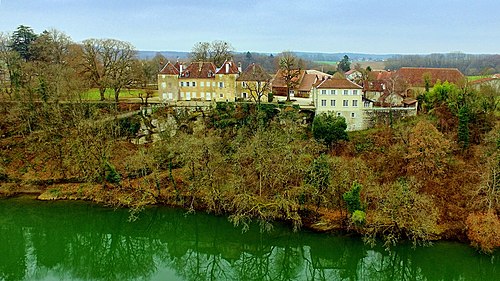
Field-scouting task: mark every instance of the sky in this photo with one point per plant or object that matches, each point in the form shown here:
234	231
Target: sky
329	26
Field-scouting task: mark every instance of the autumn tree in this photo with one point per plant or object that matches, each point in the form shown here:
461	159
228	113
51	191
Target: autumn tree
428	151
290	71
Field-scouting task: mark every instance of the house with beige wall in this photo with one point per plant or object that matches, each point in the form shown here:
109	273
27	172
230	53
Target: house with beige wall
343	98
199	81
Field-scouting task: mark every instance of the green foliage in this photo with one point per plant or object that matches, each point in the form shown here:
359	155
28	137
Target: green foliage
463	127
358	217
22	39
344	64
353	198
112	176
319	174
329	129
130	126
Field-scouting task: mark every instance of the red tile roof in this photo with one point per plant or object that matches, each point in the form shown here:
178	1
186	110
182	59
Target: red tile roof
336	83
199	70
228	67
169	69
415	75
307	82
279	81
254	72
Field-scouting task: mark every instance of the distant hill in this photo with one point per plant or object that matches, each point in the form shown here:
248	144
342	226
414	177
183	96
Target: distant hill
167	54
333	57
338	56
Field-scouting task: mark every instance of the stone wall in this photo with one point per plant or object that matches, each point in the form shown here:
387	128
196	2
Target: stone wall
386	115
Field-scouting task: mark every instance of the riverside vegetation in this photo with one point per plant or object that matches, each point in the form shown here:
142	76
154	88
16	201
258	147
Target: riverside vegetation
420	179
424	178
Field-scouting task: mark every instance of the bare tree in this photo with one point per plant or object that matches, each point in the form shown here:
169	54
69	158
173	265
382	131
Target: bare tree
216	52
290	71
108	62
256	81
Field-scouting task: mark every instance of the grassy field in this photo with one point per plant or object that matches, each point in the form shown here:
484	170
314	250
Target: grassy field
93	94
326	62
476	77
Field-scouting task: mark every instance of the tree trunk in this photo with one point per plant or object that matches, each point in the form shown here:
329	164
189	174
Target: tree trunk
101	92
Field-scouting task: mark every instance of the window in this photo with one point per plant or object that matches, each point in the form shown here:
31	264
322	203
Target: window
353	115
244	84
323	92
345	103
323	102
221	84
221	95
163	85
213	84
182	84
163	76
194	95
355	103
187	84
202	84
244	95
339	114
332	103
194	84
367	104
333	92
355	92
202	95
182	95
346	92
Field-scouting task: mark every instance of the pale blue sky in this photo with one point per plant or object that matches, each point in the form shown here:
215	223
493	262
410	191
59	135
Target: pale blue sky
363	26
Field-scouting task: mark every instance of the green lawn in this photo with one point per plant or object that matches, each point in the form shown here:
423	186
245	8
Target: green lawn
476	77
326	62
93	94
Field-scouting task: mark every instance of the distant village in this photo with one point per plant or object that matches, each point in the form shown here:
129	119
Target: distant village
361	97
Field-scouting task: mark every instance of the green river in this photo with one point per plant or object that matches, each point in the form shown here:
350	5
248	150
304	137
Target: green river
82	241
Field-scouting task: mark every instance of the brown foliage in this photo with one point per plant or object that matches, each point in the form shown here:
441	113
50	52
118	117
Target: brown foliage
428	151
483	230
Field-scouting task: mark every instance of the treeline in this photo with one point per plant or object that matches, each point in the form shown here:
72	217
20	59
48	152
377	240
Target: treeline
468	64
51	67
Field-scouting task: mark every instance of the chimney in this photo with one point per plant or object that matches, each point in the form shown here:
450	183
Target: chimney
180	68
227	68
239	67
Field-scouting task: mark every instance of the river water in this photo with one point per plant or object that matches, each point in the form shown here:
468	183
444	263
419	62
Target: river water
83	241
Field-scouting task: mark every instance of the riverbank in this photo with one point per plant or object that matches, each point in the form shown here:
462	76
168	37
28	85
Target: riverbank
410	181
321	220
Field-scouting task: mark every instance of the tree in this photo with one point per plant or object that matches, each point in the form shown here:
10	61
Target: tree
344	64
329	129
463	127
289	70
108	62
10	67
22	39
217	52
256	81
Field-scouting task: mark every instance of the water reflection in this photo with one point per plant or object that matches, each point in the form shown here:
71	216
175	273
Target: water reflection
80	241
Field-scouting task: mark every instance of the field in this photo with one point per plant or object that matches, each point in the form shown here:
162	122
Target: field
93	94
376	65
476	77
